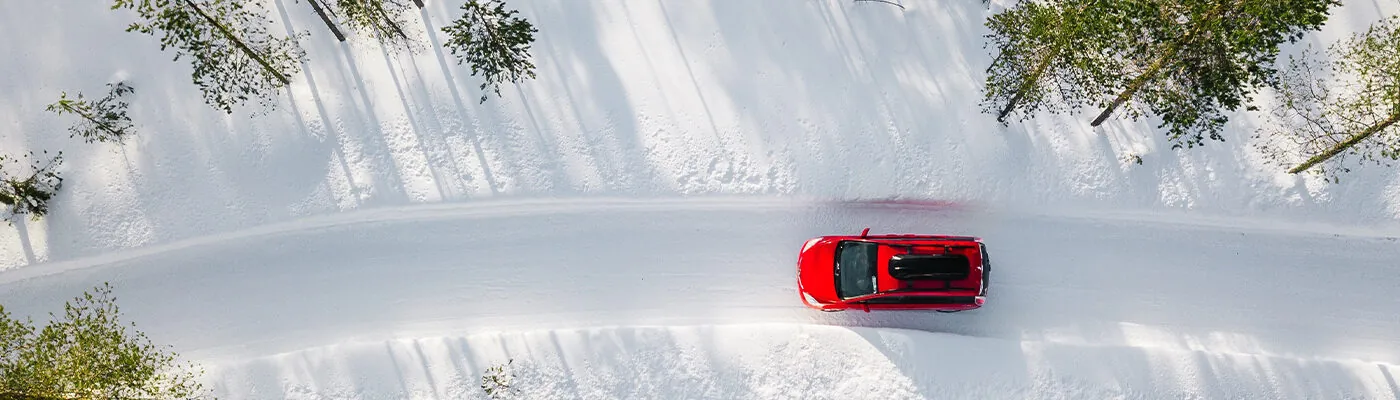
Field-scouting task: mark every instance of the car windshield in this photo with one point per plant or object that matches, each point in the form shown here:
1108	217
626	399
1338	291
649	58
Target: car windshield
855	268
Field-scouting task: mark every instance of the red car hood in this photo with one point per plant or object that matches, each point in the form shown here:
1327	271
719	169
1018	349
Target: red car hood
817	265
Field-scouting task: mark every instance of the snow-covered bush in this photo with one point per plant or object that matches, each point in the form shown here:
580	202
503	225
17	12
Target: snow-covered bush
29	192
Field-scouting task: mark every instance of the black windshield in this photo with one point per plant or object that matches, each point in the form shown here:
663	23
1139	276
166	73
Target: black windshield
855	268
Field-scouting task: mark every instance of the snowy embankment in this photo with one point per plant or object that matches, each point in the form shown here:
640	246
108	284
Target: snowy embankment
784	361
382	234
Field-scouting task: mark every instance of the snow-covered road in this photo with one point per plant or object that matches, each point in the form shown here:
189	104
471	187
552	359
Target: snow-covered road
1077	287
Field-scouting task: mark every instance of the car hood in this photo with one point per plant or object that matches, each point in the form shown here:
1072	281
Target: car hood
817	271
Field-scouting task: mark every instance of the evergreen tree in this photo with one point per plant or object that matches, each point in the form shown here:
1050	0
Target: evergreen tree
100	121
499	382
494	42
1192	59
1354	111
381	18
29	192
1050	55
233	54
88	353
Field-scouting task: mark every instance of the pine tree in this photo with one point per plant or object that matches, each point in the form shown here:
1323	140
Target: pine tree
29	192
494	42
233	54
1054	55
383	19
1194	59
100	121
1354	109
88	353
499	382
380	18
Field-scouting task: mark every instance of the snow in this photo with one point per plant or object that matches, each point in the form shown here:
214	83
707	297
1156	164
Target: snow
625	226
782	361
585	293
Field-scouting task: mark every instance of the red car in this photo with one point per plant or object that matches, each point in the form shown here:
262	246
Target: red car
893	272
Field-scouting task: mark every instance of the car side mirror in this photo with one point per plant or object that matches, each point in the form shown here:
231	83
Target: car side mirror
865	232
865	306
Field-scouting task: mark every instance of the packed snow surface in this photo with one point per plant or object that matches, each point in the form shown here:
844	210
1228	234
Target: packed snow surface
696	298
626	224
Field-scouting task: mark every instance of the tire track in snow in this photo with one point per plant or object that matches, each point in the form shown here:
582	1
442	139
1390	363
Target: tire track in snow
501	208
453	269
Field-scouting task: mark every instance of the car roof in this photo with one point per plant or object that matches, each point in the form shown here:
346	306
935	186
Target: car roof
964	247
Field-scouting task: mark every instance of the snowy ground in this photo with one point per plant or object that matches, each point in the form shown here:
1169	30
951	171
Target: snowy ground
626	225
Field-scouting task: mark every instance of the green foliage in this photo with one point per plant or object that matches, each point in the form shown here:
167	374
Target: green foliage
497	380
29	193
233	54
1188	62
1052	56
88	353
494	42
102	120
381	18
1194	60
1348	105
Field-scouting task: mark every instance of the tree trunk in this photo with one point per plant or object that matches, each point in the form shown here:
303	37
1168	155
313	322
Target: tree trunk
1161	61
1136	85
242	46
390	21
99	124
1340	147
993	64
316	5
1026	86
90	118
1040	68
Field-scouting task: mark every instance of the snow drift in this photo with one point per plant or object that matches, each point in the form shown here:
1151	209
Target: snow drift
777	361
